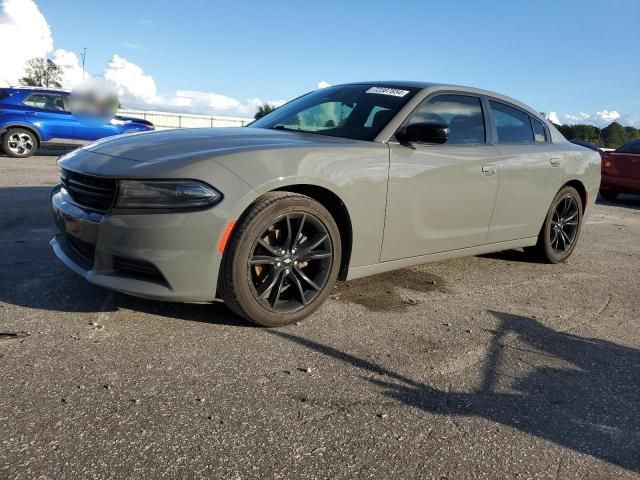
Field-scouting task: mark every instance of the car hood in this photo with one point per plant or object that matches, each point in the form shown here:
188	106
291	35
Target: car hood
172	145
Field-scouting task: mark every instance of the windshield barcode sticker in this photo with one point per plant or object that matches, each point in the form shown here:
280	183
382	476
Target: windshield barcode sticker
388	91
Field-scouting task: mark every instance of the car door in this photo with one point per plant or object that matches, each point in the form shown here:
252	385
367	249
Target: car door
48	112
90	129
531	173
440	197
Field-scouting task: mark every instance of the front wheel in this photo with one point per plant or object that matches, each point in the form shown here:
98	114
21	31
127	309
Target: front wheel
559	234
19	143
282	260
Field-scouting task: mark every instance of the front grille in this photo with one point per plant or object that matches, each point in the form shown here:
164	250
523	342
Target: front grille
86	250
137	268
96	193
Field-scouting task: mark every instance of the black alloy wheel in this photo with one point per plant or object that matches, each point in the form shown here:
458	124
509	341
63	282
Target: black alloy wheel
561	230
282	259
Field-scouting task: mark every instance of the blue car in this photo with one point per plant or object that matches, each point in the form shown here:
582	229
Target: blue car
37	117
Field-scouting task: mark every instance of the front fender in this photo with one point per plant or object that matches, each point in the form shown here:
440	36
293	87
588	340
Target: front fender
356	174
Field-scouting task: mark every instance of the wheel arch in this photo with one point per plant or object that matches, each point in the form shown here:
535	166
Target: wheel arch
338	210
582	190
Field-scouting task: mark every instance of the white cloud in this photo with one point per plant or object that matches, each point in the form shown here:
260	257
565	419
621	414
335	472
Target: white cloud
22	23
323	84
131	83
24	34
553	118
577	118
212	103
608	116
71	68
600	119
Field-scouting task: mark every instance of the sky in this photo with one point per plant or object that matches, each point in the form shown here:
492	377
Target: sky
575	60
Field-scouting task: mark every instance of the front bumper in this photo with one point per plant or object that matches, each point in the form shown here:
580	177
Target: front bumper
169	257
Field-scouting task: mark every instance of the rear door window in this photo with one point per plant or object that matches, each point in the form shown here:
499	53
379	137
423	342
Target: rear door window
462	114
512	125
45	101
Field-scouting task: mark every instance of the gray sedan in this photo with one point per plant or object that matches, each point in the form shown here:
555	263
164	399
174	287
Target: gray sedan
341	183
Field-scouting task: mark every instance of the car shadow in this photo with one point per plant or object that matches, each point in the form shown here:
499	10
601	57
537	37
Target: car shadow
519	255
47	152
33	277
577	392
624	200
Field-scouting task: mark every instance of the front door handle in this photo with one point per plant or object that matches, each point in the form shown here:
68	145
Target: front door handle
555	162
33	114
489	170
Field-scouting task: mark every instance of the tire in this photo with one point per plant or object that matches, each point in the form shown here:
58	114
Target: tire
557	243
19	143
609	195
254	261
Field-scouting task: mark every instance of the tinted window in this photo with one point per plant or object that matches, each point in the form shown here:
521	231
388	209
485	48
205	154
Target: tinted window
358	112
3	93
45	100
460	113
512	125
539	132
630	147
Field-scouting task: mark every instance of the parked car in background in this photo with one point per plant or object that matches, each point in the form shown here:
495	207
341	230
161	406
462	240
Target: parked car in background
35	117
589	145
621	171
341	183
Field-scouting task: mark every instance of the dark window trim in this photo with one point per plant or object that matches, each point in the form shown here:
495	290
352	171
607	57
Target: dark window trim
438	94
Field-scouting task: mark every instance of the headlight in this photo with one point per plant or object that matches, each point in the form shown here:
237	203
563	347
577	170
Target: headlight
166	194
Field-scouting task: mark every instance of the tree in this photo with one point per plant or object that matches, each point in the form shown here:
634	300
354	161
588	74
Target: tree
263	110
613	135
42	72
631	133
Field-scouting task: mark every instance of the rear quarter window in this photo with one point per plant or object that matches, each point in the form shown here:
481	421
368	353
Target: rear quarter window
539	132
3	93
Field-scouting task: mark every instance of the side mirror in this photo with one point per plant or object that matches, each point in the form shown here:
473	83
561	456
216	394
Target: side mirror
423	133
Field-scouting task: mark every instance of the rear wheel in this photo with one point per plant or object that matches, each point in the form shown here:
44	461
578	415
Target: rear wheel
282	260
19	143
559	234
609	195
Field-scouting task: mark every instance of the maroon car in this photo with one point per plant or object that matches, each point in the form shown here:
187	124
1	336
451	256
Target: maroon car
621	171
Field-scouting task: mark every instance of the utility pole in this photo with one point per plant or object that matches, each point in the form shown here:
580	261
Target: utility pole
84	56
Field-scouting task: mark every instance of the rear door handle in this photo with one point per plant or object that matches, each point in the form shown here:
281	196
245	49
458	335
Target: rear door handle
489	170
555	162
33	114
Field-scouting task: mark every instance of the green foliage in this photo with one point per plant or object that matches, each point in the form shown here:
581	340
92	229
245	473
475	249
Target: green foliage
42	72
611	136
264	109
614	135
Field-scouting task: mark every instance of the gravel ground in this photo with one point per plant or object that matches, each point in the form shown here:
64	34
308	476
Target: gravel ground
483	367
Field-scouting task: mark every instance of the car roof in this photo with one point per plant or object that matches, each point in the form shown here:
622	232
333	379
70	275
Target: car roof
458	88
36	89
440	86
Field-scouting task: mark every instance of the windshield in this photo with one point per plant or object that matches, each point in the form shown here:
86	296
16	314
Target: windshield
358	112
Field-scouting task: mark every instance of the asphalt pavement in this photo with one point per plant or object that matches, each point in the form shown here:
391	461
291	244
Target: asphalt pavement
482	367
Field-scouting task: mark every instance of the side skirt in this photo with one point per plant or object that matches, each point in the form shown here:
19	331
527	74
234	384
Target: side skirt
366	270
